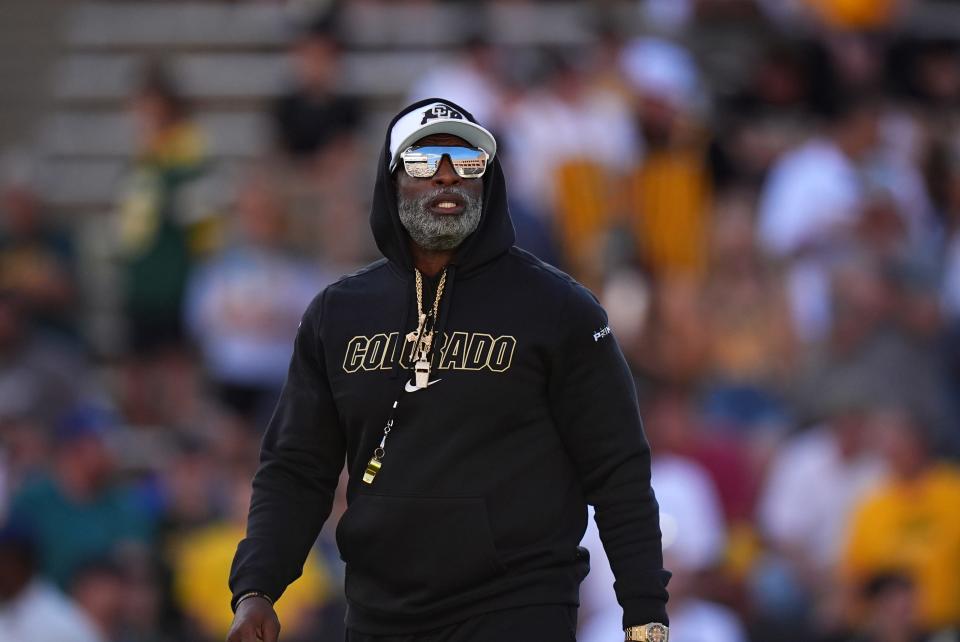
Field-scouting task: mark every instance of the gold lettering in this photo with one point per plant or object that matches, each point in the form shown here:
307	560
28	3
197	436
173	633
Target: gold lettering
455	353
356	349
479	351
376	351
501	354
458	351
391	354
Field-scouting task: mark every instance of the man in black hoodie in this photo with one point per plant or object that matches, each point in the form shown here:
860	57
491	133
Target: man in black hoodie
480	403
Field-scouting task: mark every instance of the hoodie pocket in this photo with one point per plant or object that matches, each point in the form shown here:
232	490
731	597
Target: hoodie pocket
411	552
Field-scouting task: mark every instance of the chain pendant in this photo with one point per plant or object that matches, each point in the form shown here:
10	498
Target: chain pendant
373	467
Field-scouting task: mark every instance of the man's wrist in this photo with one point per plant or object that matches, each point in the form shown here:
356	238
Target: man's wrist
251	594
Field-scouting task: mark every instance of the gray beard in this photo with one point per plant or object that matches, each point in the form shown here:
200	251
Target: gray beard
437	232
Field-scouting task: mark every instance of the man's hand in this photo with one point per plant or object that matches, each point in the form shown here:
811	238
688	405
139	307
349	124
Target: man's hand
254	621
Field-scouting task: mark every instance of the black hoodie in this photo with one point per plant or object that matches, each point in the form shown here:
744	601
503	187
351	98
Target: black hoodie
482	498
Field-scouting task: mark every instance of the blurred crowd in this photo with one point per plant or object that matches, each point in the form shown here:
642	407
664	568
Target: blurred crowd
779	257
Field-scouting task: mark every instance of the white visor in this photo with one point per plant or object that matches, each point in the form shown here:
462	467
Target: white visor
437	118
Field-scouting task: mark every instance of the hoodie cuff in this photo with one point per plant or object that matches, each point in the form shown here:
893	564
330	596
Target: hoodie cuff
639	611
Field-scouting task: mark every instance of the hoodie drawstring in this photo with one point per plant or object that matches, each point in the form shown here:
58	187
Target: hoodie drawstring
376	461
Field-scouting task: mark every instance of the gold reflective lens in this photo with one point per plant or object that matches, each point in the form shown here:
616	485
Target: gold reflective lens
423	162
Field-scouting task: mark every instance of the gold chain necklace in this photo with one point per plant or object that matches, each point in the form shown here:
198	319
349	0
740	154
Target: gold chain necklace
422	339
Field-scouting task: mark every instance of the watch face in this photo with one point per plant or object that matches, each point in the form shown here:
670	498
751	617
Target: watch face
656	633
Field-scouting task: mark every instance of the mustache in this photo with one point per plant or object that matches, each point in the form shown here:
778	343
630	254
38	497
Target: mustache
447	191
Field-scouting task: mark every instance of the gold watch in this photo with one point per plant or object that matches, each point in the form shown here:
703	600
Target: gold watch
653	632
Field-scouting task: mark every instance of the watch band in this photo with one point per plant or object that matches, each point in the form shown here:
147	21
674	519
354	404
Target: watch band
651	632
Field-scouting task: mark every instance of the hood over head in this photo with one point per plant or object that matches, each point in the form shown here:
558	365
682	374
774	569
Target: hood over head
494	234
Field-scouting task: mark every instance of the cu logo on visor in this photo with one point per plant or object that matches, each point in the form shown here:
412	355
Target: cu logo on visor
440	111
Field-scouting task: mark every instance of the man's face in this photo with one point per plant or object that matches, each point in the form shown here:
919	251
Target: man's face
425	203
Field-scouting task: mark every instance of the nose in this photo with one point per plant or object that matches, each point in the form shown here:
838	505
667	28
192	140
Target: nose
446	175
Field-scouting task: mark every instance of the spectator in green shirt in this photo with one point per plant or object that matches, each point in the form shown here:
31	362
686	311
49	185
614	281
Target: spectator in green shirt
77	510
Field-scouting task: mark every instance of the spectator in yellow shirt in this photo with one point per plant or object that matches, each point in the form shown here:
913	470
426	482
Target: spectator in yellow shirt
201	562
911	523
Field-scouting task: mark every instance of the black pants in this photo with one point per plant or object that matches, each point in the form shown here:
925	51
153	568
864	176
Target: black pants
549	623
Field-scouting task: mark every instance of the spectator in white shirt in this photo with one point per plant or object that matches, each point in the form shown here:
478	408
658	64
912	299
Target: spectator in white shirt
815	480
810	204
694	536
31	610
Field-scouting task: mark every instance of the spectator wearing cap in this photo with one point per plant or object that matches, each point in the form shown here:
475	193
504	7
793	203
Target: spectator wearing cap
78	511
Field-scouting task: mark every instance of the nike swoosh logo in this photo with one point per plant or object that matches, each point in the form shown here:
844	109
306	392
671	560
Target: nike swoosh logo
412	388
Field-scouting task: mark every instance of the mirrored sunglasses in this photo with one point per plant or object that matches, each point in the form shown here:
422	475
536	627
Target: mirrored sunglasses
423	162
